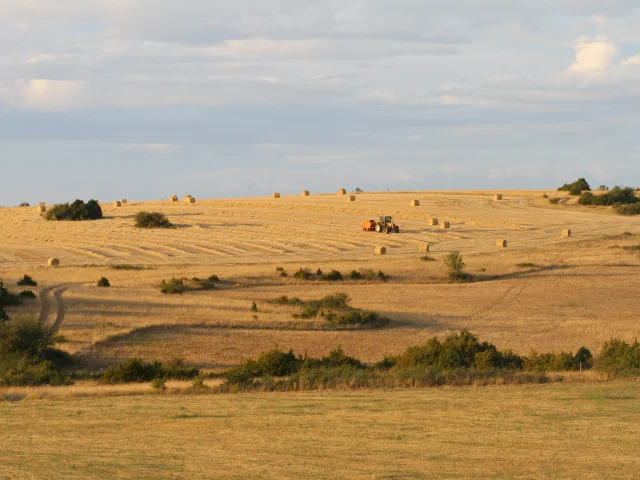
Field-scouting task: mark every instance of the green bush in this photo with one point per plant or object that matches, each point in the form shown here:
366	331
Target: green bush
25	204
152	220
27	281
104	283
173	287
615	196
28	355
159	384
332	276
579	186
355	275
302	274
427	258
135	370
455	264
75	211
619	355
628	210
27	294
554	200
8	299
562	361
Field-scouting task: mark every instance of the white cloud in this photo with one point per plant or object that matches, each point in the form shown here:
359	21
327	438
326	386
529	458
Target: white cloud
594	57
52	95
635	60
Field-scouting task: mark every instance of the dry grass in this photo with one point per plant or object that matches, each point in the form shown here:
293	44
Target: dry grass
585	431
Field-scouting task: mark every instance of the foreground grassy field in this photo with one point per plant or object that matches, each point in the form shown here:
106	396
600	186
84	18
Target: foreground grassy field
560	431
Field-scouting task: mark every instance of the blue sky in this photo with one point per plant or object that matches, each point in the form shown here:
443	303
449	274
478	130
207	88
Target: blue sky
142	99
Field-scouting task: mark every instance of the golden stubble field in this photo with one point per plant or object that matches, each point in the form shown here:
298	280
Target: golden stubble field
580	291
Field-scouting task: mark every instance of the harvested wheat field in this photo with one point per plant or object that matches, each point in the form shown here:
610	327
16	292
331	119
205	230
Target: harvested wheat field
543	292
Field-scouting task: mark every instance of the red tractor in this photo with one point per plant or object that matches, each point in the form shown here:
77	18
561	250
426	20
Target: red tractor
384	225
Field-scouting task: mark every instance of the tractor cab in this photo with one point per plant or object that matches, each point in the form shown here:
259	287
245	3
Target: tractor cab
386	220
386	225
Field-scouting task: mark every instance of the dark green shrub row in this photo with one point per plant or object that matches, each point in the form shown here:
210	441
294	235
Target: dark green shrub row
152	220
135	370
75	211
615	196
335	275
8	299
276	363
177	286
339	312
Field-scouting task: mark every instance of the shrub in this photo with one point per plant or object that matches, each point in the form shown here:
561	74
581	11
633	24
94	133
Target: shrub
427	258
75	211
104	283
7	299
575	190
254	306
27	294
355	275
383	276
135	370
319	272
554	200
455	264
546	362
173	287
615	196
332	276
628	209
302	274
213	278
25	204
579	185
27	281
603	188
620	355
283	274
152	220
124	266
159	384
279	269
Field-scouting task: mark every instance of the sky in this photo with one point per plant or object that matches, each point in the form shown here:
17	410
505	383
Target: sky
141	99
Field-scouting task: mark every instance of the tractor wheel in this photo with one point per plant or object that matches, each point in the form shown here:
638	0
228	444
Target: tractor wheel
378	228
397	229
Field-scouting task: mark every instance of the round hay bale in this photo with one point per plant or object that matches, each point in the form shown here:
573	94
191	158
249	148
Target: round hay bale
124	201
445	224
42	209
566	233
276	194
186	198
342	191
501	243
425	248
433	221
173	198
415	203
305	193
352	198
53	262
381	250
117	203
191	200
497	196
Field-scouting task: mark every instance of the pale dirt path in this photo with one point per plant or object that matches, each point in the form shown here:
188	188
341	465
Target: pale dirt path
53	295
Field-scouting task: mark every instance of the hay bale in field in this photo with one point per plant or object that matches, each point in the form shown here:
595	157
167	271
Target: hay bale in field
381	250
186	198
497	196
117	203
124	201
53	262
425	248
445	224
342	191
191	199
276	194
305	193
42	209
501	243
566	233
352	198
433	221
173	198
415	203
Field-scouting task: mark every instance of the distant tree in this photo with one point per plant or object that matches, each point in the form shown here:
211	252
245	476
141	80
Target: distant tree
603	187
575	188
75	211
